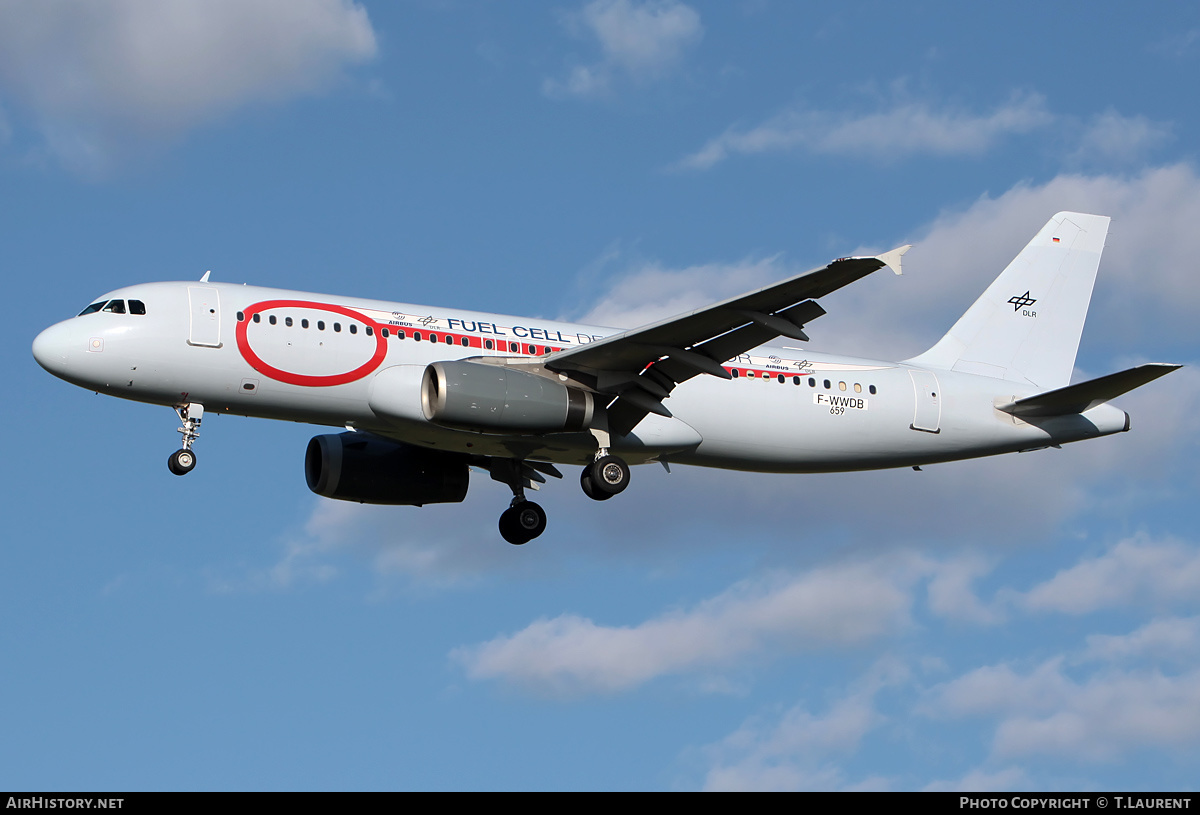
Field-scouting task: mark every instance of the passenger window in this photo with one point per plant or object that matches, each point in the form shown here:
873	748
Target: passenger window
417	336
93	308
370	332
241	316
513	348
812	383
320	325
857	388
287	321
872	390
827	385
115	307
433	337
258	318
385	333
304	323
795	380
841	386
735	373
464	342
781	379
272	320
353	328
337	326
488	344
137	307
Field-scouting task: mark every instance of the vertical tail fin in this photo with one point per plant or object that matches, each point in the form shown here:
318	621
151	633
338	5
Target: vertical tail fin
1026	326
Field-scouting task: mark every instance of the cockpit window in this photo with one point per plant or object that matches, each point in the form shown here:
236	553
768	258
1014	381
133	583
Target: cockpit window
116	307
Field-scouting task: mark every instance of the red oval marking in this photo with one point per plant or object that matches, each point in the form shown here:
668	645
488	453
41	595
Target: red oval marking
307	380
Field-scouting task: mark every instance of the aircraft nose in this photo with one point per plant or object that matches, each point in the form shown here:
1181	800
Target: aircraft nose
51	349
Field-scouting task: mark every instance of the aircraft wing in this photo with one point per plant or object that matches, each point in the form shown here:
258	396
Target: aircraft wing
642	366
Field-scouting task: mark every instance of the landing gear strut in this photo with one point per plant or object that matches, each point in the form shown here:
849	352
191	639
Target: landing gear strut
183	460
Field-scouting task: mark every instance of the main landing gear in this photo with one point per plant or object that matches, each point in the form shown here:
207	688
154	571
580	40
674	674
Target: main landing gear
606	476
522	521
182	461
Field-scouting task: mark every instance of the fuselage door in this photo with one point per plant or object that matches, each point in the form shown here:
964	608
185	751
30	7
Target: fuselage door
928	413
205	304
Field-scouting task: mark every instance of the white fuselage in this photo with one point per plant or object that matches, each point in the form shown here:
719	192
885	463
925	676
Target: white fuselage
312	358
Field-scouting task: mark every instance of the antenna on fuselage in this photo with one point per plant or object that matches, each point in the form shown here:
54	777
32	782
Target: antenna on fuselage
205	278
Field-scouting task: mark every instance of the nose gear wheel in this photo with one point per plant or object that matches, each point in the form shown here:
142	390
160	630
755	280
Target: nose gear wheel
181	462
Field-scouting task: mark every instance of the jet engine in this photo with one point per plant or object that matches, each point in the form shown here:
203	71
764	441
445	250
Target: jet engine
373	470
497	398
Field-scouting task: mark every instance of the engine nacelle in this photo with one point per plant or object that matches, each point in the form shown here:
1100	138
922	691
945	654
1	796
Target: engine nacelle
500	399
373	470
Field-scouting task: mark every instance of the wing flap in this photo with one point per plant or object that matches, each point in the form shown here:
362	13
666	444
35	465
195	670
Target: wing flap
1087	395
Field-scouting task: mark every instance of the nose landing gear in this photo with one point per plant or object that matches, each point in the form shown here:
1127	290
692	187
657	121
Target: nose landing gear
182	461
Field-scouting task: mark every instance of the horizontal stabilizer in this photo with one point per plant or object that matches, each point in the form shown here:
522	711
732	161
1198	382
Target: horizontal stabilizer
1087	395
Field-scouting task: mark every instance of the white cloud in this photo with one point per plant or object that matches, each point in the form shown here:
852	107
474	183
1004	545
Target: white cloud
951	595
97	73
1138	570
915	128
1099	718
979	780
1000	687
641	41
830	606
651	292
433	547
796	752
1169	639
1110	137
1146	290
906	129
1178	44
1109	716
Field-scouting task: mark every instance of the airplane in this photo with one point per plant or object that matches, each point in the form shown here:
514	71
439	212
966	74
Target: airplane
426	394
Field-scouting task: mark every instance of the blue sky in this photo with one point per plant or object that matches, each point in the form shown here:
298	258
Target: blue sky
1027	622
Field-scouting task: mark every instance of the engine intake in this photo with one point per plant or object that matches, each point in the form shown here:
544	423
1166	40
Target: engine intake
373	470
501	399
